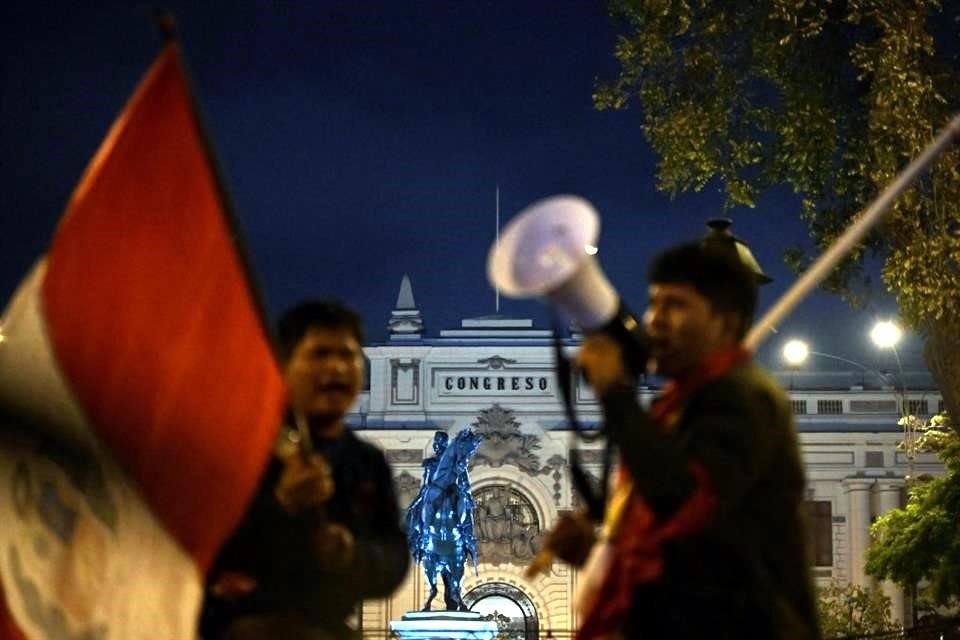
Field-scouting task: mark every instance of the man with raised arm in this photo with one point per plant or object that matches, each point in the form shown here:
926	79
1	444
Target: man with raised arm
323	532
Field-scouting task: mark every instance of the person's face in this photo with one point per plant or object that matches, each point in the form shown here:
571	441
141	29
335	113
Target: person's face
325	373
684	329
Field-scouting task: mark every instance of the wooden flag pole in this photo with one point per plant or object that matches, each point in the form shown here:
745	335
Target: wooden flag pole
854	233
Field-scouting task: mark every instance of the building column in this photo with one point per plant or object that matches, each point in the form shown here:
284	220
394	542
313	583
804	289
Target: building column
889	499
858	527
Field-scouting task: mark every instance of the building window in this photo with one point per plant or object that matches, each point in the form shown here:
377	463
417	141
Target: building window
918	408
820	532
874	459
873	406
832	407
799	407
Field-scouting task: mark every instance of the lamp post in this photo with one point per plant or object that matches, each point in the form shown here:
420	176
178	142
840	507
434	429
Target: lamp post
886	335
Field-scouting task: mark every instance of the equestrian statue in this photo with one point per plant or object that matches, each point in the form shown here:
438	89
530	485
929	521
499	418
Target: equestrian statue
440	519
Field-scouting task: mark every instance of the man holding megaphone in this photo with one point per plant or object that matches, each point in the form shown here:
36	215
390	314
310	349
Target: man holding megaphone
702	534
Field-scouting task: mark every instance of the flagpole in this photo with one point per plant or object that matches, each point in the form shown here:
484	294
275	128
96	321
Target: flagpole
166	24
496	288
819	270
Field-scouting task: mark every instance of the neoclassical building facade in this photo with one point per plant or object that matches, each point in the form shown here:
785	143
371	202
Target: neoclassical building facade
496	375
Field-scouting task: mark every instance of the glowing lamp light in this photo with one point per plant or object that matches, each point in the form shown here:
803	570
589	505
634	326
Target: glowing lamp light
795	352
885	334
590	250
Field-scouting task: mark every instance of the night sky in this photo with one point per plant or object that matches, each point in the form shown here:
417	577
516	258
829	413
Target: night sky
364	140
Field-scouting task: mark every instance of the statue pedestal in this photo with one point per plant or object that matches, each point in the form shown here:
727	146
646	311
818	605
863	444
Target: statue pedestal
444	625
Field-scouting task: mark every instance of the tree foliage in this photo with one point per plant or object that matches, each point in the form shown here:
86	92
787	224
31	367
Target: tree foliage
506	629
852	610
829	97
920	543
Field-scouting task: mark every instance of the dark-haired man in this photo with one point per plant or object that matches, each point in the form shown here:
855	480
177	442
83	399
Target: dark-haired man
323	532
703	535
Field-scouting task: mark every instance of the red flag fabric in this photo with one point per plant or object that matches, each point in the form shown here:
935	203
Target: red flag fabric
155	335
153	322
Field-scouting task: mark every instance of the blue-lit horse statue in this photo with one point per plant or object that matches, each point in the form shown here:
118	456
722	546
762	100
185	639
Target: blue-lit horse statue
440	519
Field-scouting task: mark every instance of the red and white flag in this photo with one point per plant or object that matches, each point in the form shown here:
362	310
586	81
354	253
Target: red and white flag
140	397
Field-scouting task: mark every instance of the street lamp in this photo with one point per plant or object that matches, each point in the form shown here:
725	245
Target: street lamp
796	352
886	335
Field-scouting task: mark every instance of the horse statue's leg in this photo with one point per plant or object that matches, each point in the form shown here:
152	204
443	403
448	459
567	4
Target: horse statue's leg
452	577
449	596
430	569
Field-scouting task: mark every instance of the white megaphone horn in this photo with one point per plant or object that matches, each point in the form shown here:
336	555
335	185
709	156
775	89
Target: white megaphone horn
547	250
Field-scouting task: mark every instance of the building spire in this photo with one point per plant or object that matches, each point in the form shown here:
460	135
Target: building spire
405	297
405	322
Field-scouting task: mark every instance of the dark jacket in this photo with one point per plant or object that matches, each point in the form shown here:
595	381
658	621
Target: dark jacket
274	548
747	574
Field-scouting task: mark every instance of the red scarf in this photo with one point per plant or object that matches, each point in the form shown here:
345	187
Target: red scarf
638	542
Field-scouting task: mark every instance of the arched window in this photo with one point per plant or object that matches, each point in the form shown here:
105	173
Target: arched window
506	525
508	606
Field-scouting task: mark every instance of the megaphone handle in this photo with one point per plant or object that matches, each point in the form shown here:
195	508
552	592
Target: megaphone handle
626	330
564	371
595	503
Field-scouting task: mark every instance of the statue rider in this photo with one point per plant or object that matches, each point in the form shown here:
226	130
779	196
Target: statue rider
412	518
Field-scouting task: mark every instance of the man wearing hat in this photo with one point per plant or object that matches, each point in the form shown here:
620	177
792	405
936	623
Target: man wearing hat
703	534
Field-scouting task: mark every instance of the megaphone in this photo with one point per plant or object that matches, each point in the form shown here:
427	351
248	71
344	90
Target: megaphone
547	251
